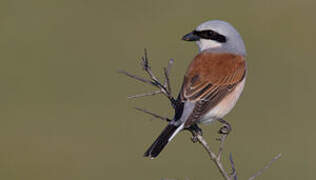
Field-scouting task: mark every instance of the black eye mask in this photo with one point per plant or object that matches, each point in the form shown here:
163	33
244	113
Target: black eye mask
209	34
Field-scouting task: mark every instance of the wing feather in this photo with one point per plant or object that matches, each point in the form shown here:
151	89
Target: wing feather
209	79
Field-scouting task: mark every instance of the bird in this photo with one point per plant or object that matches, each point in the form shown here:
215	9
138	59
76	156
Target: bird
212	84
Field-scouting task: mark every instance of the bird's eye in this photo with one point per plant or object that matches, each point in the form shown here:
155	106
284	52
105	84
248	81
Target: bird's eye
210	33
207	34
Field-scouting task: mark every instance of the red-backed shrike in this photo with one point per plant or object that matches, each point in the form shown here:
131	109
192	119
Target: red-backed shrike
212	83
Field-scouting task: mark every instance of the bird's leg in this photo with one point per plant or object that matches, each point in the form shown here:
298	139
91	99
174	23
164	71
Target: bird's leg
226	129
195	130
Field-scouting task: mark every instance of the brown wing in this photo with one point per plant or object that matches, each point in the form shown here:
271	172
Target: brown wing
209	79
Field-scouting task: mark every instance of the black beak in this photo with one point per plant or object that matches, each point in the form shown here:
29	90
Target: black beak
191	37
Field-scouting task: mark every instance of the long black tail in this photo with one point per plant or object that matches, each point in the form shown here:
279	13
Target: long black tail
162	140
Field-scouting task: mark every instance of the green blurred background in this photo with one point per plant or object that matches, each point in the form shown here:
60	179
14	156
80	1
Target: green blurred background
64	112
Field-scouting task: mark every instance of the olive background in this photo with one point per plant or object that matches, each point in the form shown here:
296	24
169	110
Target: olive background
64	112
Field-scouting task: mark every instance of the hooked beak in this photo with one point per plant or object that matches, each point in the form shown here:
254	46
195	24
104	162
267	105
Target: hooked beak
191	37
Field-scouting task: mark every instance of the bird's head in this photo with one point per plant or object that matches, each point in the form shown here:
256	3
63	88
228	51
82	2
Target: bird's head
217	35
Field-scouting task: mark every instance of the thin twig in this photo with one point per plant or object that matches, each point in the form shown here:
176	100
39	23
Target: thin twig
145	94
153	80
153	114
147	68
213	157
234	172
167	80
135	77
265	167
167	73
221	147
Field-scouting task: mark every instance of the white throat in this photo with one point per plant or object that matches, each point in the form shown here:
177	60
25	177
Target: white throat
204	44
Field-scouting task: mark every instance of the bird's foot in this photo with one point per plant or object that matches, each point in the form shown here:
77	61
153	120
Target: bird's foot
226	129
195	130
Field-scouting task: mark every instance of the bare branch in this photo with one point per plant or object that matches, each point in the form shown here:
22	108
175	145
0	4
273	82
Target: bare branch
146	67
213	157
153	80
234	172
221	146
135	77
265	167
167	81
153	114
145	94
167	73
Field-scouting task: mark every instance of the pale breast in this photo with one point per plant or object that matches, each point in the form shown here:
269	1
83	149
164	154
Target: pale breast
225	106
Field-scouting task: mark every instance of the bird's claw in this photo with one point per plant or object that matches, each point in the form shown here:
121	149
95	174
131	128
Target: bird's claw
194	139
224	130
